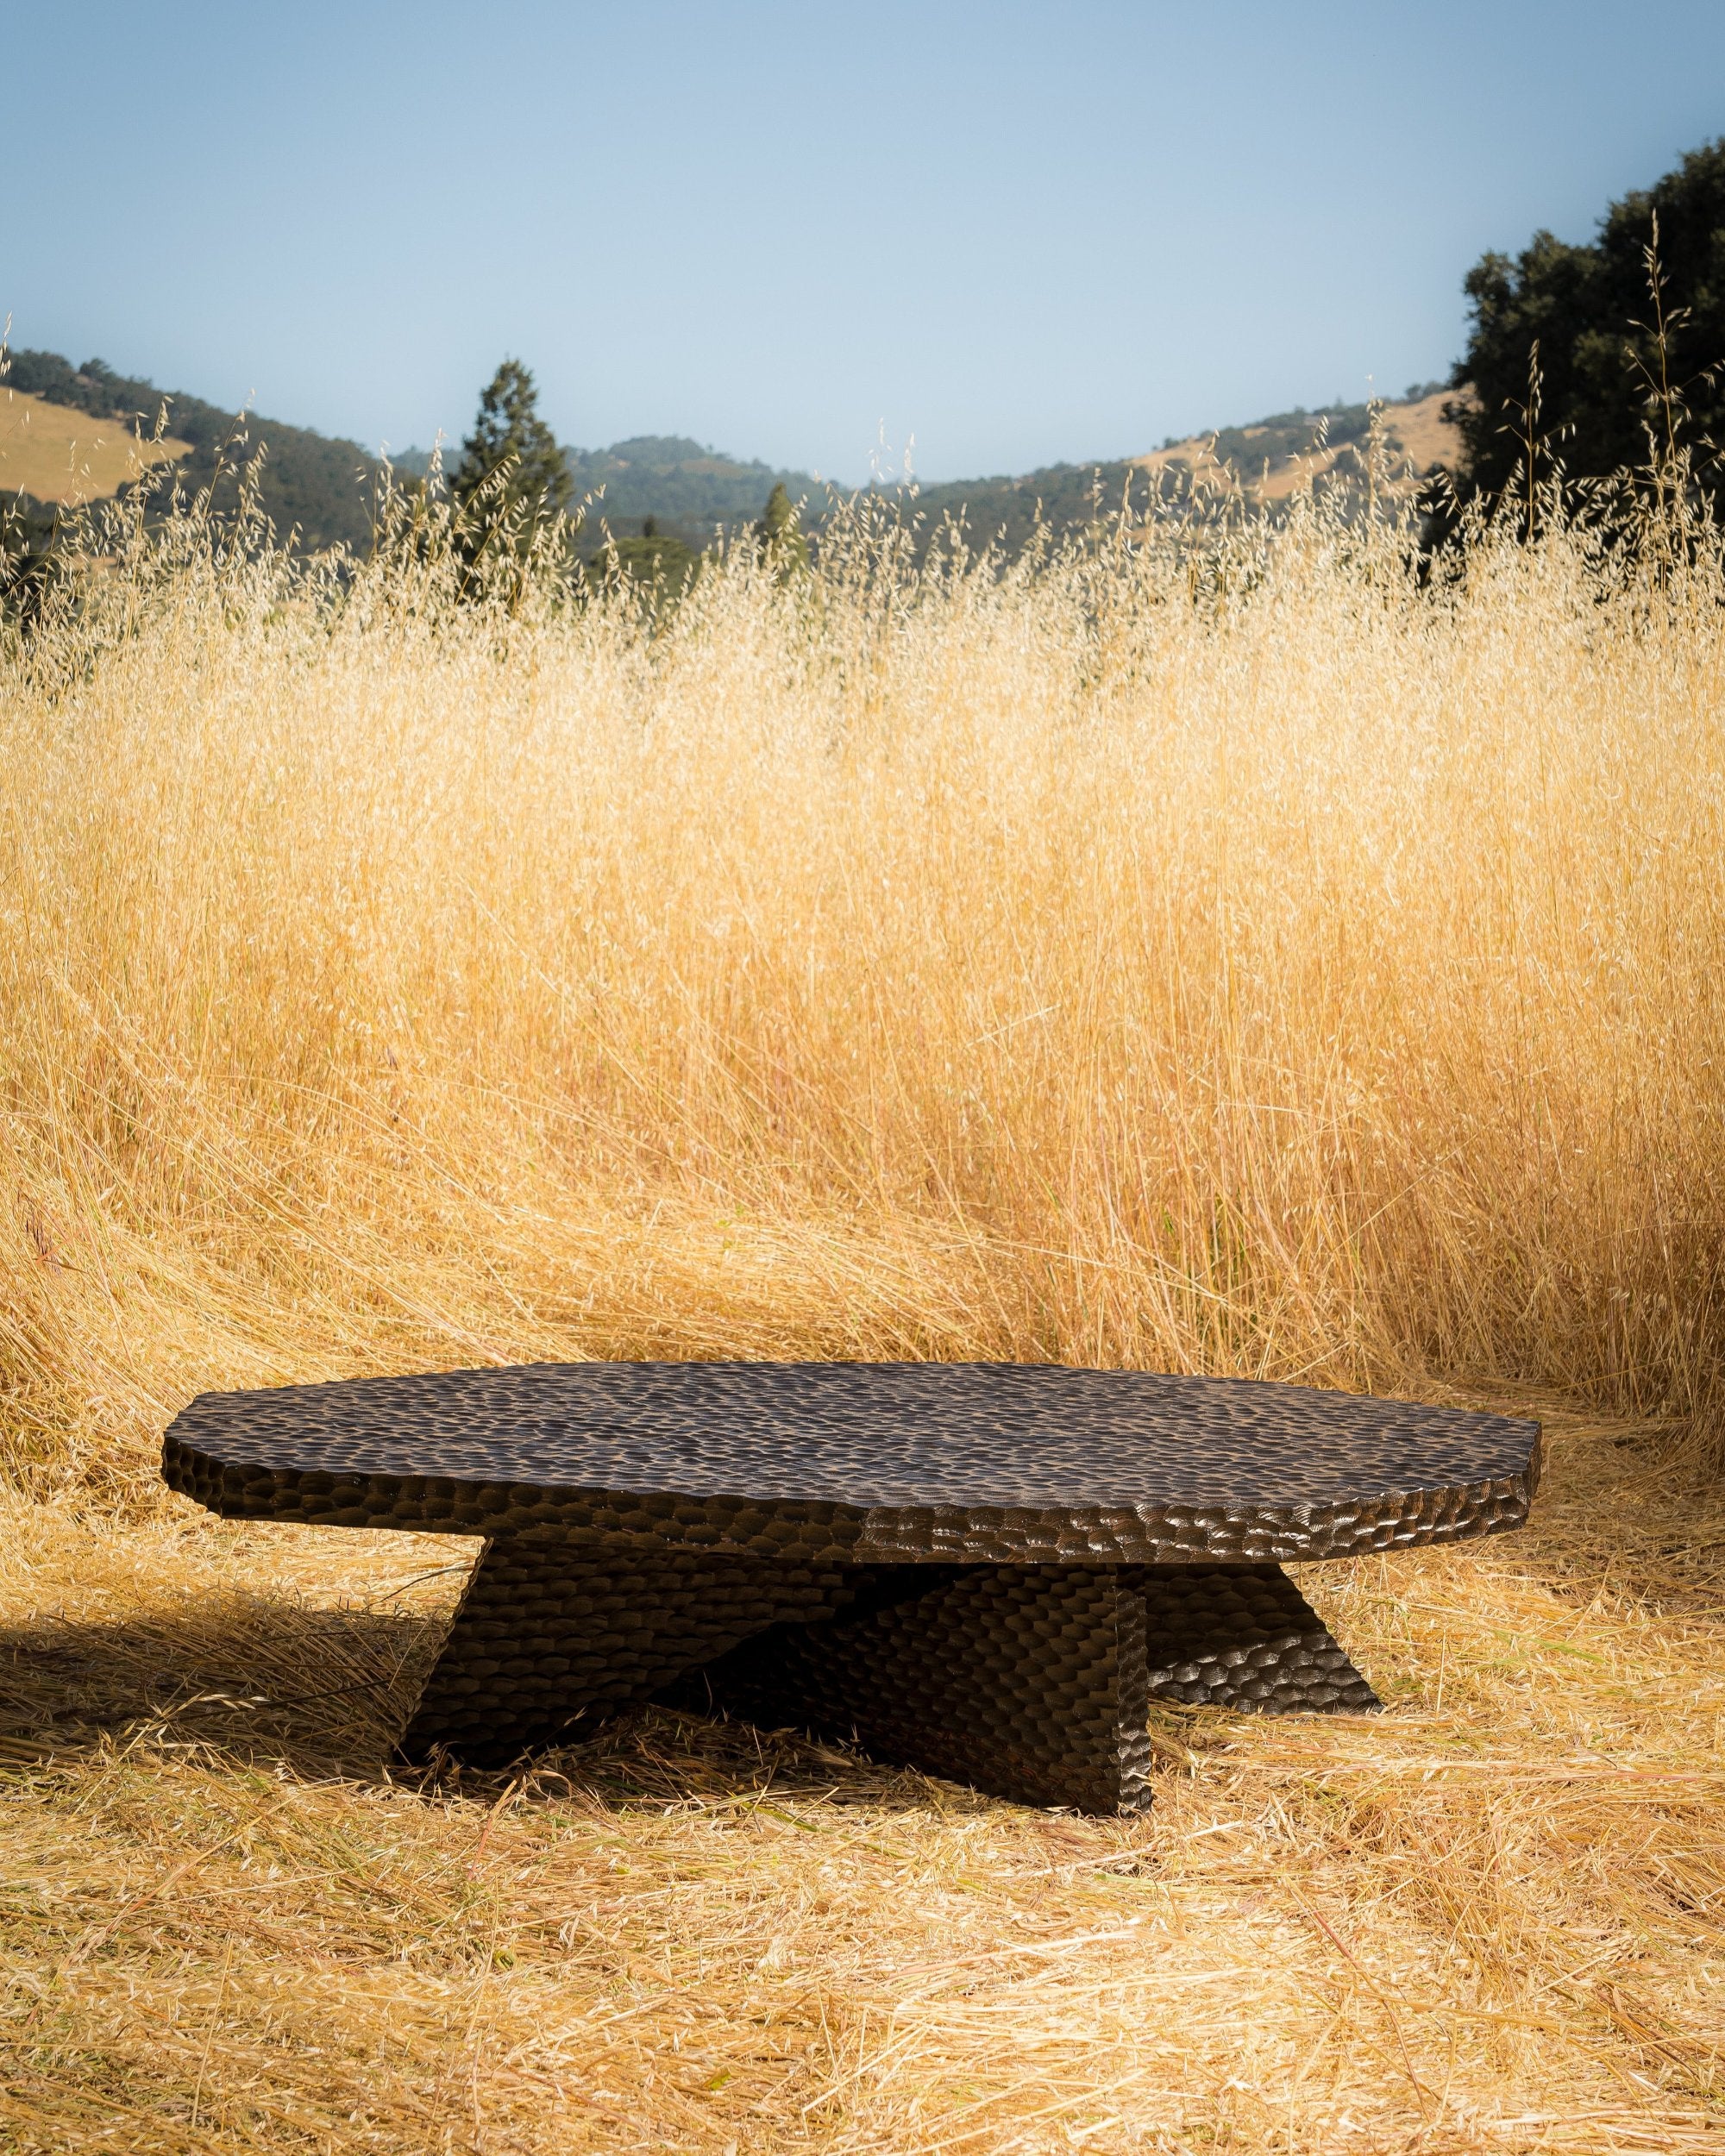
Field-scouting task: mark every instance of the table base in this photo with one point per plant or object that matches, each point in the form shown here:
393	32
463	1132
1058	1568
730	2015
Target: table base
1032	1682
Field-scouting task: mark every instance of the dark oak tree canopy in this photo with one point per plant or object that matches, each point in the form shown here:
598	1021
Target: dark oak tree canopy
1612	395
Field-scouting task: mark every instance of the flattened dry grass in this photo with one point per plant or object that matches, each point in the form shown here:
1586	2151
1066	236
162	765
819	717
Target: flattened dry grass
1488	1919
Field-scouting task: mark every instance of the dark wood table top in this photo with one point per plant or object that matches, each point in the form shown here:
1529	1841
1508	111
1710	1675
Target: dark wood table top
864	1462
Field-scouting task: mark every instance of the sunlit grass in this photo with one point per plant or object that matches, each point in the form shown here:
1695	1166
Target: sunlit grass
1246	962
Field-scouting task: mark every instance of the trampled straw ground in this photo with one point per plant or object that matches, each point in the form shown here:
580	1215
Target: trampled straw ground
1251	962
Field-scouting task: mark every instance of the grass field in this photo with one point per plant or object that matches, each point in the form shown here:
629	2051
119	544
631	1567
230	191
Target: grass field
1250	963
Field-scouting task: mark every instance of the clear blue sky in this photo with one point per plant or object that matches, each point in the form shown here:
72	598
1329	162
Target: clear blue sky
1019	233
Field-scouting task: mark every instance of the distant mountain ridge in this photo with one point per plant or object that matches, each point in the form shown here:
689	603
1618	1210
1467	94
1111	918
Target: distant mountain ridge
686	487
323	486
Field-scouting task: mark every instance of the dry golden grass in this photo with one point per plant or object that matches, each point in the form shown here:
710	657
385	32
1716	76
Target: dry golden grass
58	454
1244	962
1489	1920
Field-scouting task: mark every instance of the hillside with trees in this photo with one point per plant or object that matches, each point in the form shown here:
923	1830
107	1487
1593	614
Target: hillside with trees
684	489
683	485
653	503
318	485
1262	462
1272	458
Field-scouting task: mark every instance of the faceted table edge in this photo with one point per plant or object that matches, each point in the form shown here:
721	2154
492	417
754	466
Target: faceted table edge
807	1532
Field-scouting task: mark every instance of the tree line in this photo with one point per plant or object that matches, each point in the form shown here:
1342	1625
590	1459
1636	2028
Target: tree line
1586	362
1590	361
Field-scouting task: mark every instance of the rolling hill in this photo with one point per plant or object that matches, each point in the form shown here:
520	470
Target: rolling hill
1263	462
1272	458
312	483
72	434
63	457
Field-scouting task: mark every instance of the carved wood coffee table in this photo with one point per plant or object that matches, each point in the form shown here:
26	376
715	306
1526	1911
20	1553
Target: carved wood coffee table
987	1571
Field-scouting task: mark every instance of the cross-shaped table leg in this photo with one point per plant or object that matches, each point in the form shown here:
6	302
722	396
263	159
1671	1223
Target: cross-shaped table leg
1030	1682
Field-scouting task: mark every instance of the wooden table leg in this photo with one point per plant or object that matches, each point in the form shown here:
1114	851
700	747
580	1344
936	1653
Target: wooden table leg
1026	1682
1029	1682
1244	1637
1035	1682
552	1638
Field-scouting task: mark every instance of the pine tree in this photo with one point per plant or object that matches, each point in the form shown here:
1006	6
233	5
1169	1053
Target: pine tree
512	475
780	536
